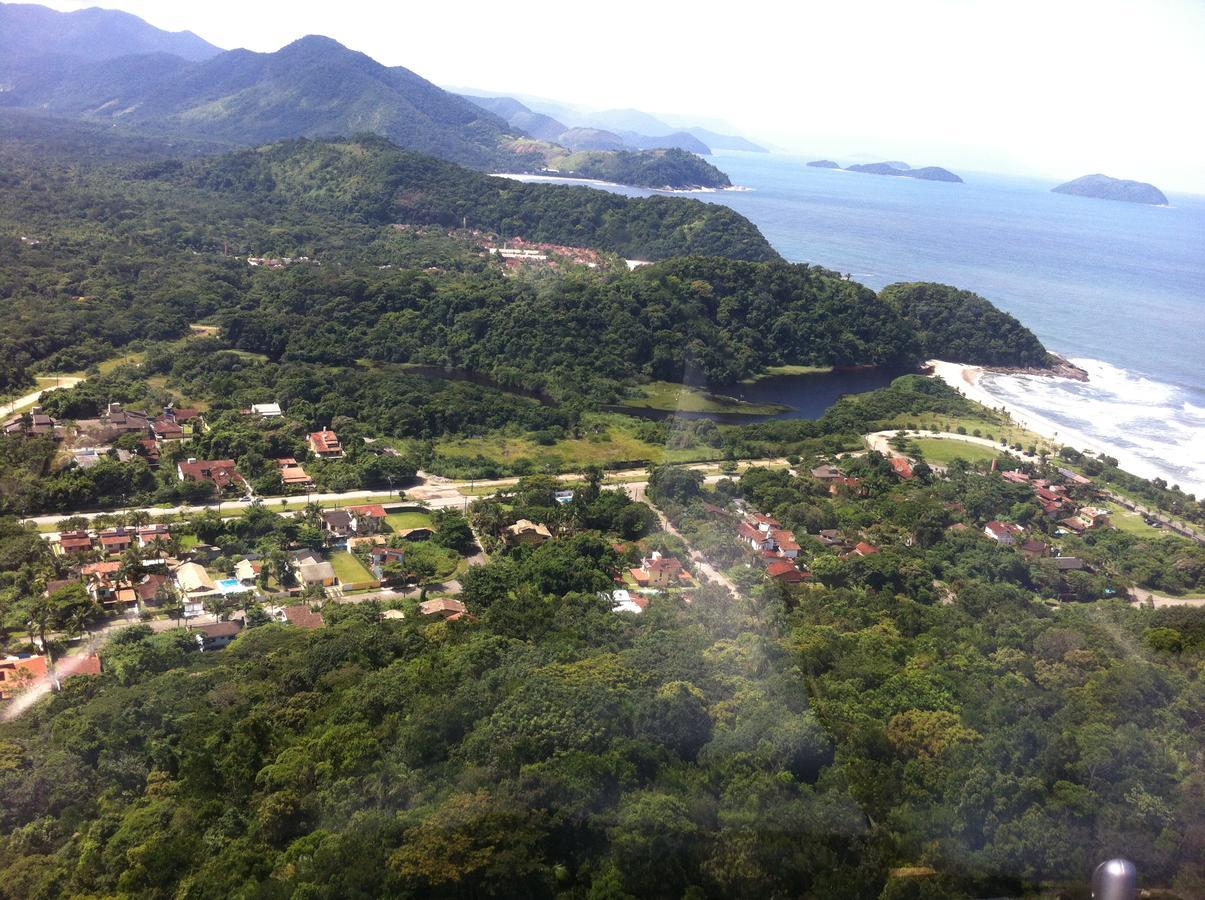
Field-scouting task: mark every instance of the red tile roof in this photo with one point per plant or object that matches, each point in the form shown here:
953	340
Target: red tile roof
374	511
218	471
303	617
902	467
864	549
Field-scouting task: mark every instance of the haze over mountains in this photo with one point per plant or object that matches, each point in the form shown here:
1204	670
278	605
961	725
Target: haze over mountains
611	129
28	30
110	67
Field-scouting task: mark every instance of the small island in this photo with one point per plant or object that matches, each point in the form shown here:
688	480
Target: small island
927	173
1104	187
824	164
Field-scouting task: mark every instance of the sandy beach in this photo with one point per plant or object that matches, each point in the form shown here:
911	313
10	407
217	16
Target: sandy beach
965	378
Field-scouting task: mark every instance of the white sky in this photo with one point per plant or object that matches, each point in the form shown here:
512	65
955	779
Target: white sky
1057	88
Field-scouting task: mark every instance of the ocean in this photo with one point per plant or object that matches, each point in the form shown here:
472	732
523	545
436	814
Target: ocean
1118	288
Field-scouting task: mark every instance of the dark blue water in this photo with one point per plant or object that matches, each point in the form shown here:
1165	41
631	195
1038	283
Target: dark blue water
1117	286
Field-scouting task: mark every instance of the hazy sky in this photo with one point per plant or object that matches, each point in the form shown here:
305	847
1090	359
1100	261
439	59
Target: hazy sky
1052	88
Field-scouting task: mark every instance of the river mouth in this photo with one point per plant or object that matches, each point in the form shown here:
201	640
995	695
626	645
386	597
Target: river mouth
805	396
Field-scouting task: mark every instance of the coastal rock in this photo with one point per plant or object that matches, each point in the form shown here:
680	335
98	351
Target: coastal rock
1105	187
1060	367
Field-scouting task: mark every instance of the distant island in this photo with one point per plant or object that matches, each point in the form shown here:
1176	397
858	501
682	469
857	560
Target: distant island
927	173
824	164
1104	187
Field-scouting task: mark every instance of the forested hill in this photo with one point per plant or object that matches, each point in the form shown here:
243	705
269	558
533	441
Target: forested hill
960	326
377	182
672	168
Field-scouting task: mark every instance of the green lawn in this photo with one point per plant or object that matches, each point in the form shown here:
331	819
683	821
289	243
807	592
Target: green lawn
669	397
611	437
1131	522
348	569
400	521
941	451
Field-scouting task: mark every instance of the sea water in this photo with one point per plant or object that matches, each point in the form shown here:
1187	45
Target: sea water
1117	287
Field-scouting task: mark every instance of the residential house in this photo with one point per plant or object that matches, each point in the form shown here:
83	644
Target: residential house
1015	476
659	572
785	544
1003	532
19	672
300	616
862	548
1075	477
123	421
1069	563
148	449
247	571
338	522
1074	524
831	538
193	580
902	467
264	410
1093	517
293	475
149	534
784	571
1034	549
845	485
369	519
379	557
166	428
755	538
74	543
826	473
628	601
216	636
325	444
312	569
154	590
53	587
526	532
448	609
100	579
221	473
115	541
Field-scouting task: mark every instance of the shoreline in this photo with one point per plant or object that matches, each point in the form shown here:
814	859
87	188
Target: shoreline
965	379
539	178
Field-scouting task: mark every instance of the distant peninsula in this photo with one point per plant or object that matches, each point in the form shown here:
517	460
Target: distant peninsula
1103	187
824	164
927	173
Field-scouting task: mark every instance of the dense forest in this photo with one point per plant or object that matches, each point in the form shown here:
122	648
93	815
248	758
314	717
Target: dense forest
671	167
866	737
960	326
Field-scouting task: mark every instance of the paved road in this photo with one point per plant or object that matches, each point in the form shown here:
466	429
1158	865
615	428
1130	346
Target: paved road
880	440
432	491
30	399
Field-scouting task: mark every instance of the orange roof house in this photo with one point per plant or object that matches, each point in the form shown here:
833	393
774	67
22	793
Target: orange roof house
325	444
219	472
19	672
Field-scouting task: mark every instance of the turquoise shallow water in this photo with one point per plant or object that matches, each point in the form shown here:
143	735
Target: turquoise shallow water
1118	286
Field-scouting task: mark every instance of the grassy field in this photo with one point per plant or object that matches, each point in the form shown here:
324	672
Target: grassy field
615	441
1131	522
409	519
941	451
348	569
772	371
669	397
